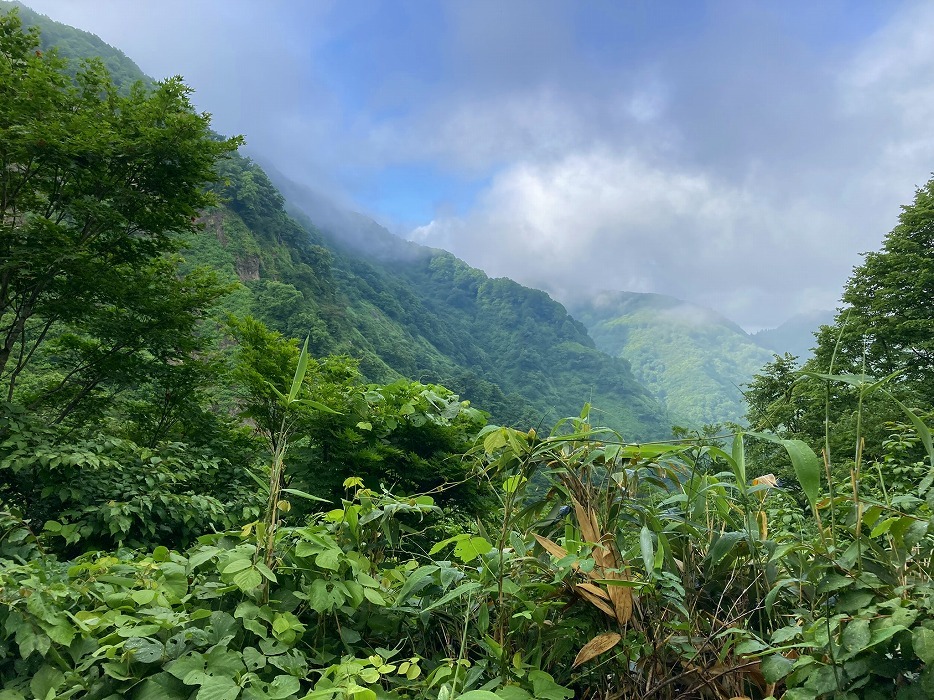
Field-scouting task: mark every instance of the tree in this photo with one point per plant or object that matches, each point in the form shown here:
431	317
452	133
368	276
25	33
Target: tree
95	188
885	327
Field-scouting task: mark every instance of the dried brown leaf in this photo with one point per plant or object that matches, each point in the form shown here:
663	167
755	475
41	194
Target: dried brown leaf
595	600
596	646
596	590
553	548
585	522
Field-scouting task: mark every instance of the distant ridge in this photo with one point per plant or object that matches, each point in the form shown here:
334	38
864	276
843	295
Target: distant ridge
692	358
796	335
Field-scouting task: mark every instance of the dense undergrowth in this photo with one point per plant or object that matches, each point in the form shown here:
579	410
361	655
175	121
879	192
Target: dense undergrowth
607	570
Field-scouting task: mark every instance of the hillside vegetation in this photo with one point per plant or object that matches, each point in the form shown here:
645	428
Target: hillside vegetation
198	502
693	360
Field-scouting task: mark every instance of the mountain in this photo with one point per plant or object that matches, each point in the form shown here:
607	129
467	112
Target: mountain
694	360
796	335
472	330
76	43
400	309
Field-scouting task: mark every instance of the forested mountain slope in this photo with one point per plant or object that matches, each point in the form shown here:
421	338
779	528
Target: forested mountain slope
692	358
403	310
413	311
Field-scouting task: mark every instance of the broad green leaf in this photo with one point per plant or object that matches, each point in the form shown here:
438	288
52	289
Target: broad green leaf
248	579
922	641
416	578
513	692
438	546
545	688
218	688
471	548
329	559
237	565
477	695
374	596
183	666
776	667
318	597
724	545
46	681
806	464
856	635
495	440
145	651
282	687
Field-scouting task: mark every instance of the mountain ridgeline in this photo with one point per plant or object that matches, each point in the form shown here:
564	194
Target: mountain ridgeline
407	310
693	359
400	309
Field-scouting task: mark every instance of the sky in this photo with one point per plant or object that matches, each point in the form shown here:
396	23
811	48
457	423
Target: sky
738	154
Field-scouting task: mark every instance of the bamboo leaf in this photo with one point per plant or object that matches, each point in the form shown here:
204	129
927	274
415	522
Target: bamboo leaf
300	371
552	548
925	434
806	464
596	600
304	494
648	549
739	462
596	646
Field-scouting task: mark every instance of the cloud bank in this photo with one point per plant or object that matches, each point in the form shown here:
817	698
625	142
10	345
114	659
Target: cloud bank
736	155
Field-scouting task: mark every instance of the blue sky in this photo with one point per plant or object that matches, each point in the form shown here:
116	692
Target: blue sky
736	154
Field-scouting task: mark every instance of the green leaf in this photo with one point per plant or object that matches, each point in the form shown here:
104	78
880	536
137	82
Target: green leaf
318	406
806	464
856	635
922	641
925	434
305	495
648	549
248	579
237	565
471	548
739	461
46	681
416	578
283	686
266	572
545	688
478	695
185	665
461	590
724	545
318	597
145	651
513	692
776	667
374	596
218	688
299	375
329	559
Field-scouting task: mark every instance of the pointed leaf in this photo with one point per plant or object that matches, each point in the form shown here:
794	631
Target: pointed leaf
300	371
596	646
